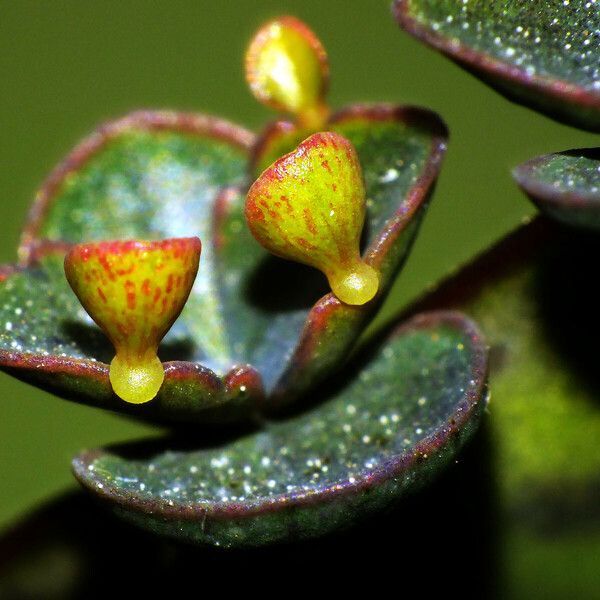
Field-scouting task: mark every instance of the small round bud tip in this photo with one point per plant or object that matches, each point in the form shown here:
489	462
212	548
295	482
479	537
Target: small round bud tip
137	382
357	286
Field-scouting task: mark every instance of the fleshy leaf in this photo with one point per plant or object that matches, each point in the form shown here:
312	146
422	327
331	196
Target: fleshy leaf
543	54
309	206
149	175
384	137
536	302
383	430
235	316
287	69
565	186
85	533
134	291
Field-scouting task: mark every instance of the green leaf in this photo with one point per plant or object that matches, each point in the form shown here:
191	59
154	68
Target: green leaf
153	175
156	175
536	302
543	54
86	533
565	186
385	428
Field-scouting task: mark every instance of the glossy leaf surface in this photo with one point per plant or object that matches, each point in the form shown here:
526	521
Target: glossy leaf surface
400	150
383	429
83	534
543	53
149	175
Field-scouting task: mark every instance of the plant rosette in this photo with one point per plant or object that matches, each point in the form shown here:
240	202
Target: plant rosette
257	332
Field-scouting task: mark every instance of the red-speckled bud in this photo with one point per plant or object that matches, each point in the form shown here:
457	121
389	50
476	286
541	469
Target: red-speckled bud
309	206
134	291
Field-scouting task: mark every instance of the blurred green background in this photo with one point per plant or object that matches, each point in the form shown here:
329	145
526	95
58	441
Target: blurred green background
65	66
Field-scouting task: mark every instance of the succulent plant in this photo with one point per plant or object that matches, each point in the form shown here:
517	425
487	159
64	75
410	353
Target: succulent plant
285	421
331	430
565	185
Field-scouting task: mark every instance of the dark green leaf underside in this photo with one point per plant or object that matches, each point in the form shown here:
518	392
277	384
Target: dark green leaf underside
566	186
393	422
539	44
